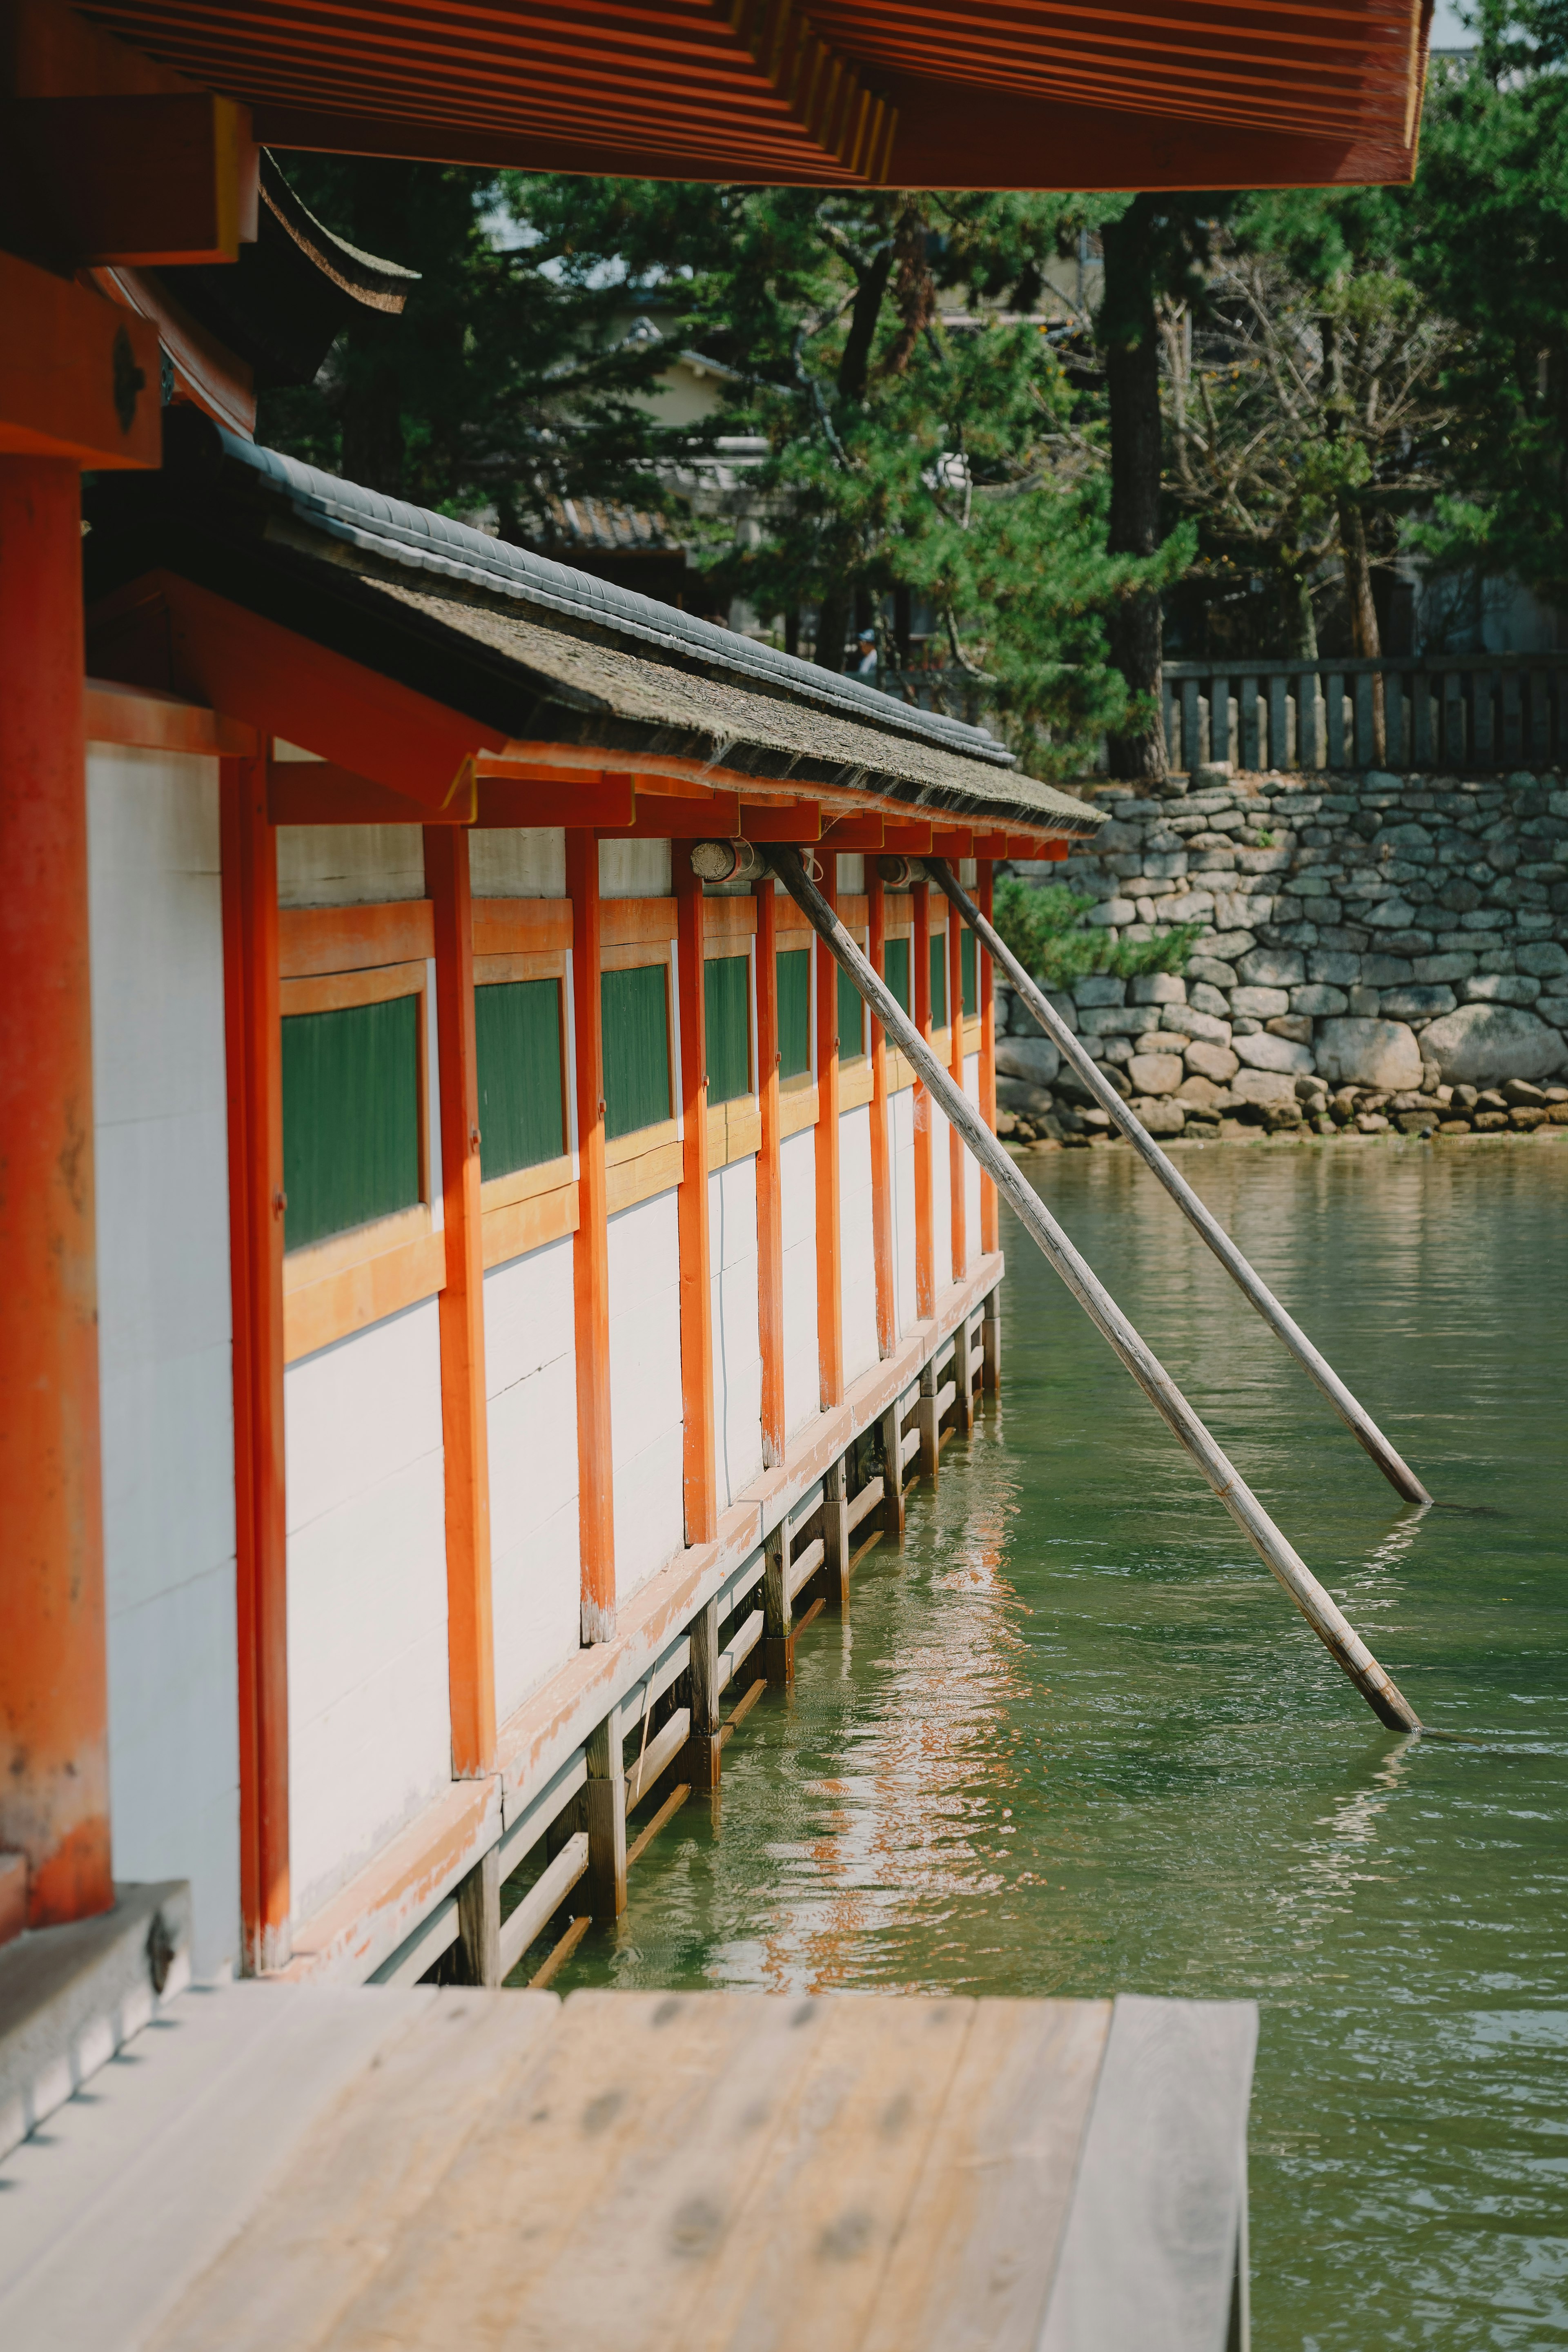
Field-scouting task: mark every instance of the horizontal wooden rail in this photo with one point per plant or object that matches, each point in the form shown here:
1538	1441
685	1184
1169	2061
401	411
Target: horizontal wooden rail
543	1899
866	1500
803	1570
661	1749
739	1648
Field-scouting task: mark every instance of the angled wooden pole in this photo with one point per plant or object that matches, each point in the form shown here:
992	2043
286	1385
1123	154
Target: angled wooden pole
1340	1638
1400	1476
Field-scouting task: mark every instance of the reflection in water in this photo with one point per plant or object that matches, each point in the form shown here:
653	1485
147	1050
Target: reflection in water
1075	1739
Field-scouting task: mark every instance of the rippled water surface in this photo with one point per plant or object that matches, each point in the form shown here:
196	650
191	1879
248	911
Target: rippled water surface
1074	1741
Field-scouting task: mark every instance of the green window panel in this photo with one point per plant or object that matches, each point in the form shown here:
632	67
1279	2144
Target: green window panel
794	967
851	1019
350	1117
968	971
727	1007
895	971
939	980
634	1007
517	1040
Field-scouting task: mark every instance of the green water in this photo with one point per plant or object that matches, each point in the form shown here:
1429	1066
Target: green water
1074	1741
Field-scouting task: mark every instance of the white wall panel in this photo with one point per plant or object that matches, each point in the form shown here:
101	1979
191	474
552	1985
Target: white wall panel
737	1349
349	864
634	869
971	1166
901	1153
517	862
645	1387
164	1353
369	1722
856	1253
797	1220
530	1379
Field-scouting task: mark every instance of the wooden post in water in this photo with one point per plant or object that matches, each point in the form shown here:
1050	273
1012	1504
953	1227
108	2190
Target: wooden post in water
1340	1638
698	1762
1400	1476
778	1655
964	1379
926	1422
893	1474
836	1536
478	1921
604	1803
991	1342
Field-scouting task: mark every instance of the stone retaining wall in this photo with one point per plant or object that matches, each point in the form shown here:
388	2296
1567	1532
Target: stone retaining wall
1376	950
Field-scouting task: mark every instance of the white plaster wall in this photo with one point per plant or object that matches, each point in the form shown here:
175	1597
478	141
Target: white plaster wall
634	869
164	1331
646	1416
737	1347
901	1153
349	864
940	1201
369	1720
856	1254
797	1220
517	862
971	1167
530	1382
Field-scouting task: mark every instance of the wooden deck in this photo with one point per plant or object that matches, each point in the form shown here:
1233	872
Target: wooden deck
431	2169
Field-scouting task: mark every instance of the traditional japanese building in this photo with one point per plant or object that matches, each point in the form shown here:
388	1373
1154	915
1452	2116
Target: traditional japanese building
471	1272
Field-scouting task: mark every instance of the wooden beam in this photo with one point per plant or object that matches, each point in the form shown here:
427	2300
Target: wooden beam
54	1689
253	1034
471	1644
318	791
79	376
925	1239
951	842
910	840
666	817
770	1195
854	833
990	1211
760	822
149	179
160	723
591	1253
700	1477
881	1163
829	1277
519	802
286	685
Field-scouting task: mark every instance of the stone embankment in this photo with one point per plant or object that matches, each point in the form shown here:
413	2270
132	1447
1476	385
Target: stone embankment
1375	952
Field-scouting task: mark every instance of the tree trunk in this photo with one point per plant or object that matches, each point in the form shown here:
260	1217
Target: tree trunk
832	621
1129	334
1364	634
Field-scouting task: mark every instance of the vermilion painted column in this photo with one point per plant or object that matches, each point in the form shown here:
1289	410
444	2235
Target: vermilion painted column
990	1220
471	1641
54	1692
958	1157
925	1239
881	1167
770	1195
590	1251
829	1287
696	1285
253	1041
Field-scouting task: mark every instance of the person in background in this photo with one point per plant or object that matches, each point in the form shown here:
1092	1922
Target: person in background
866	666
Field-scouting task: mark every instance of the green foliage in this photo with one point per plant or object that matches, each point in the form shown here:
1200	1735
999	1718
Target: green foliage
1044	928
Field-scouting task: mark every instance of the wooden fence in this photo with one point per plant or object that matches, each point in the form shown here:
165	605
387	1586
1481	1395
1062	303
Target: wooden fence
1459	712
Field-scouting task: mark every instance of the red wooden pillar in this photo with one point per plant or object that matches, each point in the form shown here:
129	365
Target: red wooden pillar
54	1689
696	1286
253	1038
990	1220
470	1643
925	1240
770	1211
590	1251
957	1155
829	1287
881	1167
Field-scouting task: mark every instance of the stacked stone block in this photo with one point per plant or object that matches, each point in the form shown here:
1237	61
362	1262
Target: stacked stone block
1373	950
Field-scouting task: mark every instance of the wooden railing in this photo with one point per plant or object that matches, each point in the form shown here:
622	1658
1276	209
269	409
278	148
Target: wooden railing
1459	712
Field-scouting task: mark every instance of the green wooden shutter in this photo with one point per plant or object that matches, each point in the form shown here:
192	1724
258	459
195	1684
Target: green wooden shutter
939	980
895	971
793	968
851	1019
727	1005
350	1117
635	1009
517	1039
968	971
